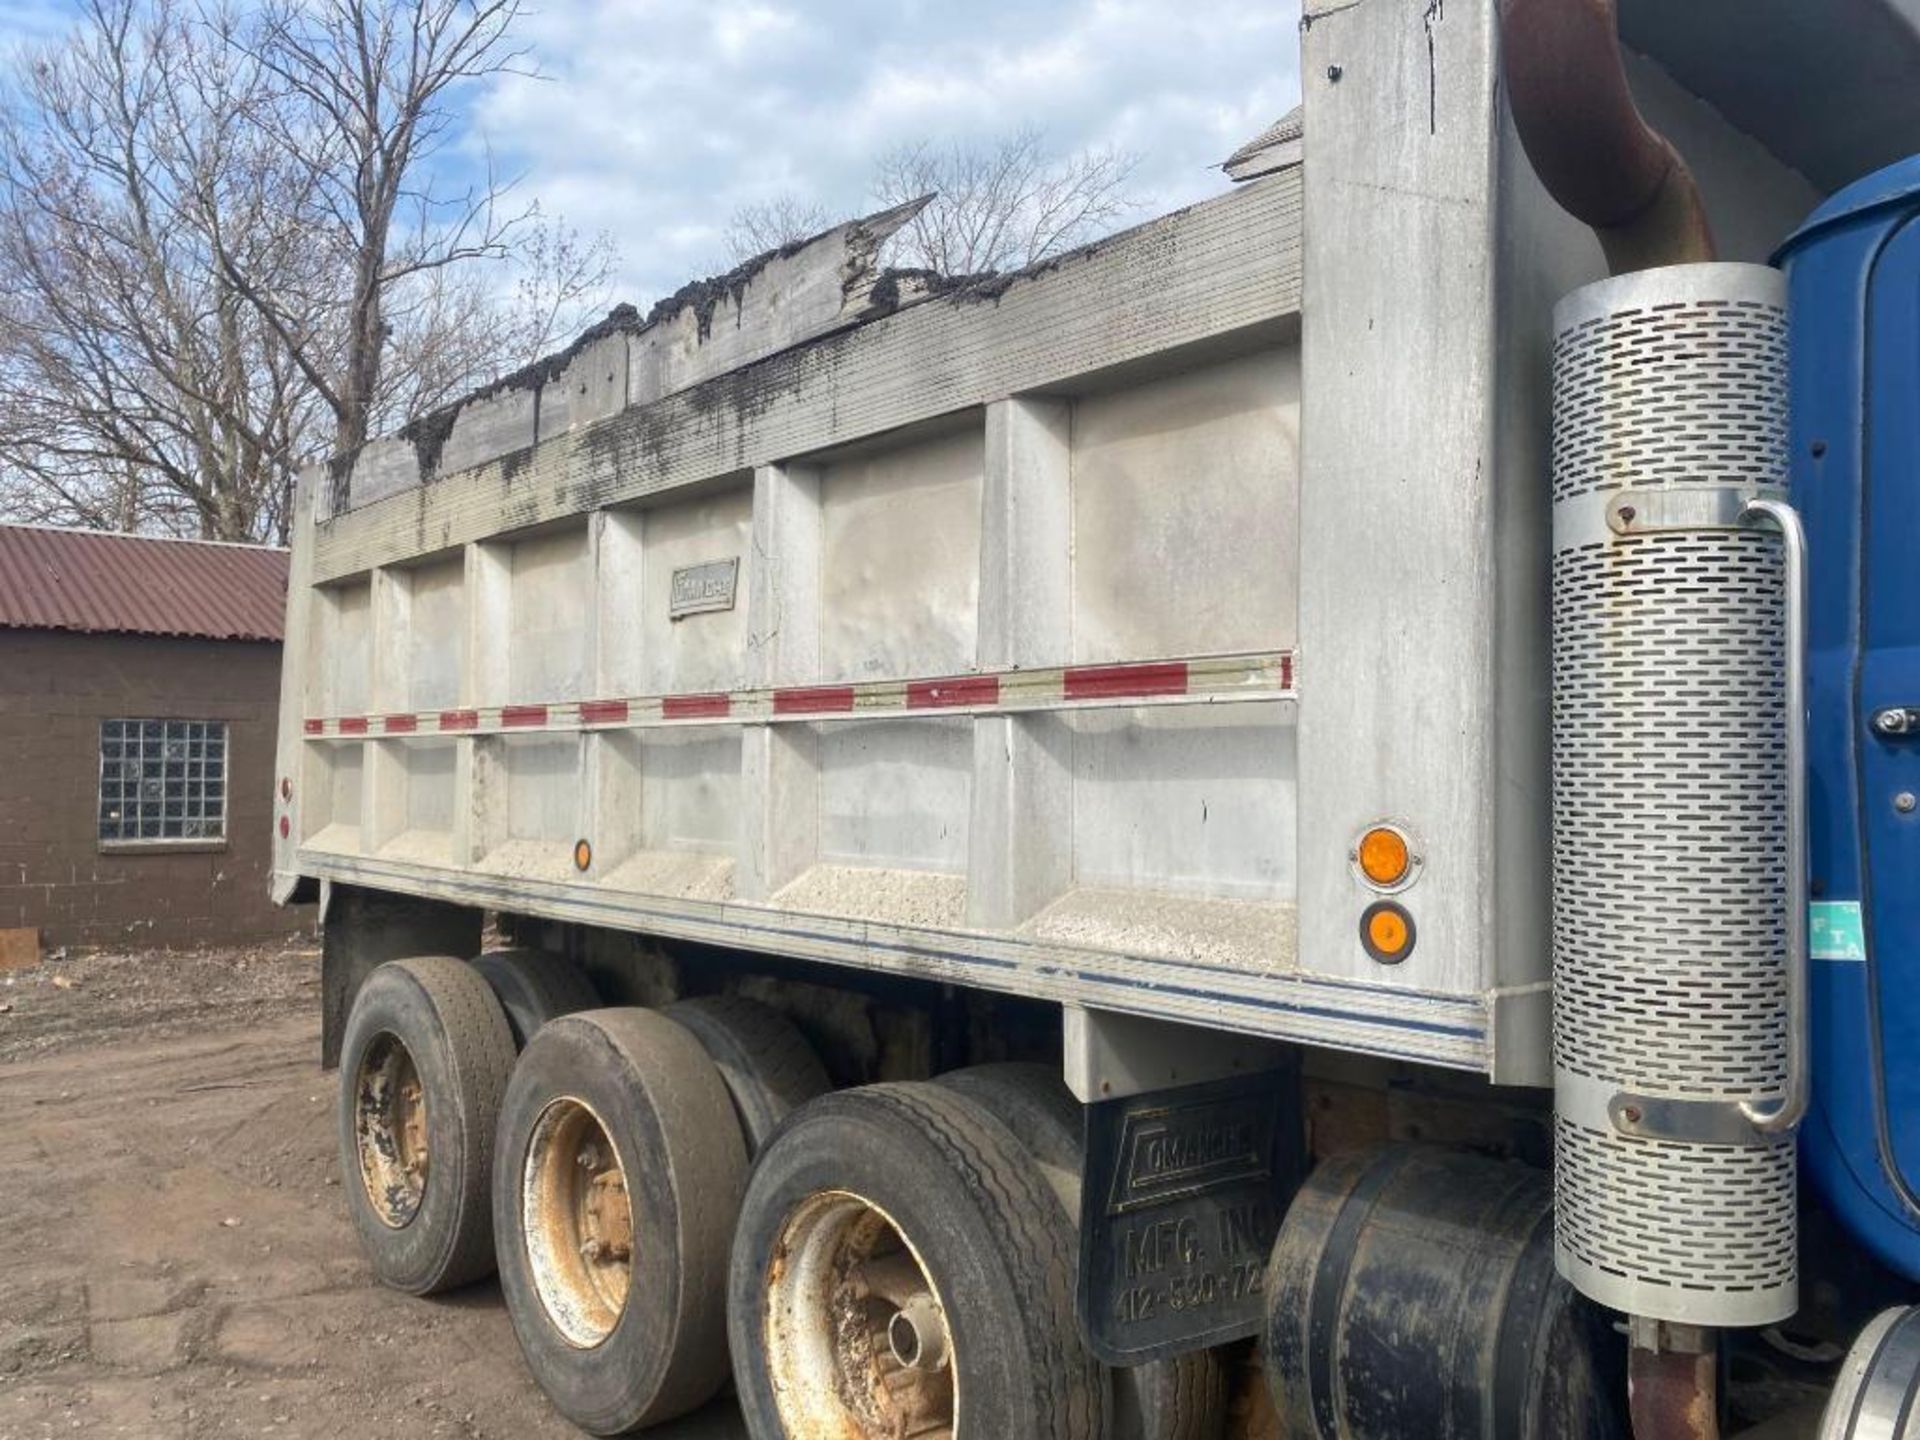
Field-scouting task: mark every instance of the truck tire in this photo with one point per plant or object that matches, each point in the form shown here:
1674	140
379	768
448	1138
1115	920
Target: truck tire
1034	1103
897	1244
1181	1398
619	1177
423	1066
769	1067
534	987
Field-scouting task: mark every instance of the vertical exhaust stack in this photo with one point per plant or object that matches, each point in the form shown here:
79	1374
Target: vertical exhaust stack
1671	842
1678	922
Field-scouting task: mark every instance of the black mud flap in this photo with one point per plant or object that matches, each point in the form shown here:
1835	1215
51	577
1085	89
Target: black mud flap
1184	1192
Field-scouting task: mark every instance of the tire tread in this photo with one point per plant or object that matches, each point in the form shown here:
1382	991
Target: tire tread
769	1067
1183	1397
548	985
1027	1213
480	1043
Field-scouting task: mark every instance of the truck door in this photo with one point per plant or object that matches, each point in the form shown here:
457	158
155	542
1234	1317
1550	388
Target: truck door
1853	273
1887	693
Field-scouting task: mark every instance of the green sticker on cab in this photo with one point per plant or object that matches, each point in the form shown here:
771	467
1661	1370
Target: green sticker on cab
1834	930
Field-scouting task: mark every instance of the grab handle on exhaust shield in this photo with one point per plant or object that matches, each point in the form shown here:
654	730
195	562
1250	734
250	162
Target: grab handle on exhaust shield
1777	1116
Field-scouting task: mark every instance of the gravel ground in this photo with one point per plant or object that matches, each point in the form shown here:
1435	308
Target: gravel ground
108	997
178	1260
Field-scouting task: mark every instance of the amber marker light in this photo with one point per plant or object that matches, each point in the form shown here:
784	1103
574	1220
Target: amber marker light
1384	857
582	855
1386	930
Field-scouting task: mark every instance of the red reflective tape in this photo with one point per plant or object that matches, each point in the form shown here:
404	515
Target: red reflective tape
959	690
353	725
1109	682
523	715
696	707
459	719
316	727
820	699
1286	672
400	724
603	712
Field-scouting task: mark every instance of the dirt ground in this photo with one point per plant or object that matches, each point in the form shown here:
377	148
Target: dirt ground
175	1260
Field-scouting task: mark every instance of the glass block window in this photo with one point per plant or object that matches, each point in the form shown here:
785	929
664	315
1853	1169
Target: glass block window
163	780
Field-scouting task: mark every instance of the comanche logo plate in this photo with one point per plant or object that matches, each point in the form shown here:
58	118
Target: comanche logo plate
1183	1195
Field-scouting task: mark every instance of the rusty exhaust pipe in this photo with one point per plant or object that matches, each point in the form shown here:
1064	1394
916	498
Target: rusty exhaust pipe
1672	1387
1587	140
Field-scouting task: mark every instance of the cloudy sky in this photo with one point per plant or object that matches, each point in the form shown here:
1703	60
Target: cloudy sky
656	119
660	117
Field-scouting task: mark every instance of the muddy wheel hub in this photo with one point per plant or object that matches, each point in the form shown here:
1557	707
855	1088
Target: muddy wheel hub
578	1222
857	1336
390	1131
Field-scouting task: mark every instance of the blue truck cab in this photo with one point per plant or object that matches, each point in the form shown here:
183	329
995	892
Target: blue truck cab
1854	303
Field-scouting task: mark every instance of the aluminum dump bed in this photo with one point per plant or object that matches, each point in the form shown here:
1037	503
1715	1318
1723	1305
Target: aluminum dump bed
1058	634
843	653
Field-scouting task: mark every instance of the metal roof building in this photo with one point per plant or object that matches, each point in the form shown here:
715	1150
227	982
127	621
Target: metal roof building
139	694
92	582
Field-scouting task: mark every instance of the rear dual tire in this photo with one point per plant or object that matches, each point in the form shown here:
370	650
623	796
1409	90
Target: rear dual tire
621	1168
425	1060
535	986
900	1263
769	1068
623	1150
1180	1398
424	1065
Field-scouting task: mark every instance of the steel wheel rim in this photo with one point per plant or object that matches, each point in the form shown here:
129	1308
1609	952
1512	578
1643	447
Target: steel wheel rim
577	1218
857	1338
390	1131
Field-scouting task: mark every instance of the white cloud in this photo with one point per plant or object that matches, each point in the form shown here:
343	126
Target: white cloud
737	31
660	117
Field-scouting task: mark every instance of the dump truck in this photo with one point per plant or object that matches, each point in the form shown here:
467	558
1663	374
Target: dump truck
1298	822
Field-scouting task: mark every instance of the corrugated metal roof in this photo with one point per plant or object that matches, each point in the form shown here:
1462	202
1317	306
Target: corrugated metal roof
93	582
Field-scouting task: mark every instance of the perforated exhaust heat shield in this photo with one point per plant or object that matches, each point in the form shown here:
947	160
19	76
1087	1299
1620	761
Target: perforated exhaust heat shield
1670	833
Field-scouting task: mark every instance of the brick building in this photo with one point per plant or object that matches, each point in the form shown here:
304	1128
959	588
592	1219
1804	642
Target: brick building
139	684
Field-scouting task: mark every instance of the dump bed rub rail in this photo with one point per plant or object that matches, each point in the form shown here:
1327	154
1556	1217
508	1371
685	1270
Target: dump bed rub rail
1149	682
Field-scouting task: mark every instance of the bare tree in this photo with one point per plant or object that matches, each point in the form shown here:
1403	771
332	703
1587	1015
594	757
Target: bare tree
559	276
1003	205
452	328
211	273
367	82
137	388
770	224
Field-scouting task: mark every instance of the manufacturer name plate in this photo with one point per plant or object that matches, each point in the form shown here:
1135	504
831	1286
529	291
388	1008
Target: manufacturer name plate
1182	1197
698	588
